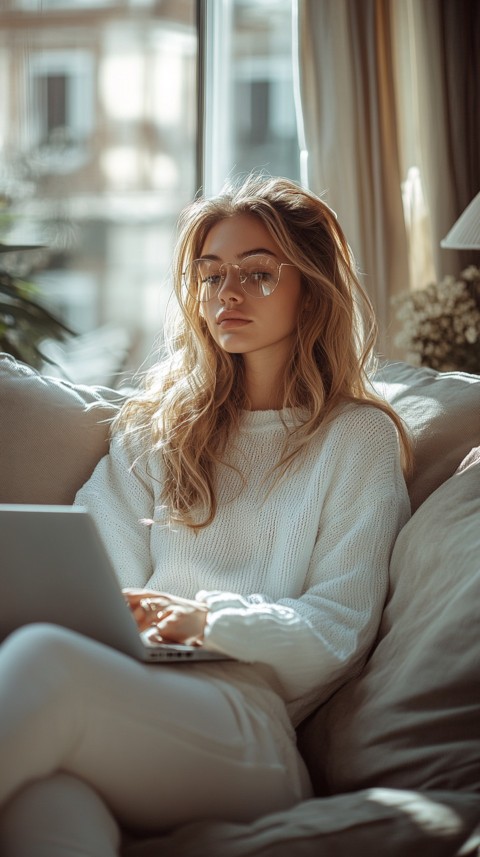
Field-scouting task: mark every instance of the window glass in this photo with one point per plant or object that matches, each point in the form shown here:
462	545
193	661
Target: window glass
97	158
99	149
250	121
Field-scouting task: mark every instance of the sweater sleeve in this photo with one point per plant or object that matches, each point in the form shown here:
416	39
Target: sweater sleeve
309	645
120	500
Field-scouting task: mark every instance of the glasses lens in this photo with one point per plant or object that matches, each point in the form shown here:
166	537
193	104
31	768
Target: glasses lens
203	279
259	275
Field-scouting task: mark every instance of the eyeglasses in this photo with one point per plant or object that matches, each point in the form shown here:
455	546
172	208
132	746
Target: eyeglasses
258	276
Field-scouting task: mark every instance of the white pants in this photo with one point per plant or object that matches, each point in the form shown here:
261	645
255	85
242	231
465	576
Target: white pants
90	739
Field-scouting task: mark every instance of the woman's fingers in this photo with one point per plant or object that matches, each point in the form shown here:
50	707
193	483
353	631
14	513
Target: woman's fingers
149	612
134	597
176	619
152	635
183	624
146	605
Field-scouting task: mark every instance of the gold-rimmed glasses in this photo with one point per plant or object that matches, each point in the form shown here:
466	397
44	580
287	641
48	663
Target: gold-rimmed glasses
258	275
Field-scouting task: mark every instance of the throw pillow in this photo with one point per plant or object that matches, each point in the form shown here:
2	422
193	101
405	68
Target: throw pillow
52	433
442	411
411	719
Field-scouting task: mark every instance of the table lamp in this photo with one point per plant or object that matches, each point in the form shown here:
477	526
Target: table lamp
465	233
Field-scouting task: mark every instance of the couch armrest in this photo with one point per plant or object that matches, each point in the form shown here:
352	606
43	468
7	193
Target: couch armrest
52	434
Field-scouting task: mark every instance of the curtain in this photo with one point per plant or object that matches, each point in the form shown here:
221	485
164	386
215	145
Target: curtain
444	42
388	97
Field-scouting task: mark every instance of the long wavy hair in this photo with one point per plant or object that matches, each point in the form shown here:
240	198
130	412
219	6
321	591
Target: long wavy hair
191	400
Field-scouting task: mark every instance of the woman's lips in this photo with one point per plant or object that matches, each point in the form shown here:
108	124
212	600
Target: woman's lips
230	318
226	323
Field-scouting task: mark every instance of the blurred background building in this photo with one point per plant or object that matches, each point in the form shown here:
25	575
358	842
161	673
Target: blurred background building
104	139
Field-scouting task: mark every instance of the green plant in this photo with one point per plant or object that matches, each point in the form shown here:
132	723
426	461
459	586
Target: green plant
24	322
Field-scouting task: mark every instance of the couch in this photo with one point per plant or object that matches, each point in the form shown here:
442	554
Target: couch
394	755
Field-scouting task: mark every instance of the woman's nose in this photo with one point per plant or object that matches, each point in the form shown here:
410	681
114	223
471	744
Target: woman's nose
231	287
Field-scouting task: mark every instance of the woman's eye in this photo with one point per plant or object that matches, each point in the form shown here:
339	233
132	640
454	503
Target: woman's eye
260	276
211	280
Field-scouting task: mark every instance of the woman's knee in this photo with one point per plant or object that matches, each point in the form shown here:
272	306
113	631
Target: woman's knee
42	714
37	652
36	636
56	817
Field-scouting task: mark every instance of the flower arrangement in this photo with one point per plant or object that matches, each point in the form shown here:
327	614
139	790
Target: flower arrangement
441	323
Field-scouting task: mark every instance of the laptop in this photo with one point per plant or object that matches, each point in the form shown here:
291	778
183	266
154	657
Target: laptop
55	569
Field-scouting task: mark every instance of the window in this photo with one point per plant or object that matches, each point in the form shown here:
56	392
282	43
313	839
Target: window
97	158
104	139
249	121
60	103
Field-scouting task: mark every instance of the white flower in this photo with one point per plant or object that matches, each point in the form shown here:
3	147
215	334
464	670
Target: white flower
440	324
471	274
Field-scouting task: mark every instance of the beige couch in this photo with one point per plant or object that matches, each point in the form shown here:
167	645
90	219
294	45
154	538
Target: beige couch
395	754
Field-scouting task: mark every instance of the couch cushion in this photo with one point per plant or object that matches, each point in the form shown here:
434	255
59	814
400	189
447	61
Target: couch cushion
442	410
52	434
411	719
381	822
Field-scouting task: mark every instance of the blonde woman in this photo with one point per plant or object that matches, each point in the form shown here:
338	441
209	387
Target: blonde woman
249	503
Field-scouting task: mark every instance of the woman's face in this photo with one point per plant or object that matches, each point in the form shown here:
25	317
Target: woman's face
260	328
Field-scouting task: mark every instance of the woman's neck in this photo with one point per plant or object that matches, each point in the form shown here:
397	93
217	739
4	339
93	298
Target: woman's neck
264	384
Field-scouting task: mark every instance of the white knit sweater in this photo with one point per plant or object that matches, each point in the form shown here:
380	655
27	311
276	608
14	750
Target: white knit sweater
296	576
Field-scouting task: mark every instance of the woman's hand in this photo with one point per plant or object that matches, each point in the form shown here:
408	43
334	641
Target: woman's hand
167	618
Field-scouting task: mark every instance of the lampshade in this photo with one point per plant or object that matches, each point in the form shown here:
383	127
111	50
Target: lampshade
465	233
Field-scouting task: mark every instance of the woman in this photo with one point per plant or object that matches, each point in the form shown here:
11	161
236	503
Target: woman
249	502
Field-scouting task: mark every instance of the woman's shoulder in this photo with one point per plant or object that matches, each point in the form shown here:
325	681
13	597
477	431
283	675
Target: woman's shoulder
360	445
365	412
134	450
361	423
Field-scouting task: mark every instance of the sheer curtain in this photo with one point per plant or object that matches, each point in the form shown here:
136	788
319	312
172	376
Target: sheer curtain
388	102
